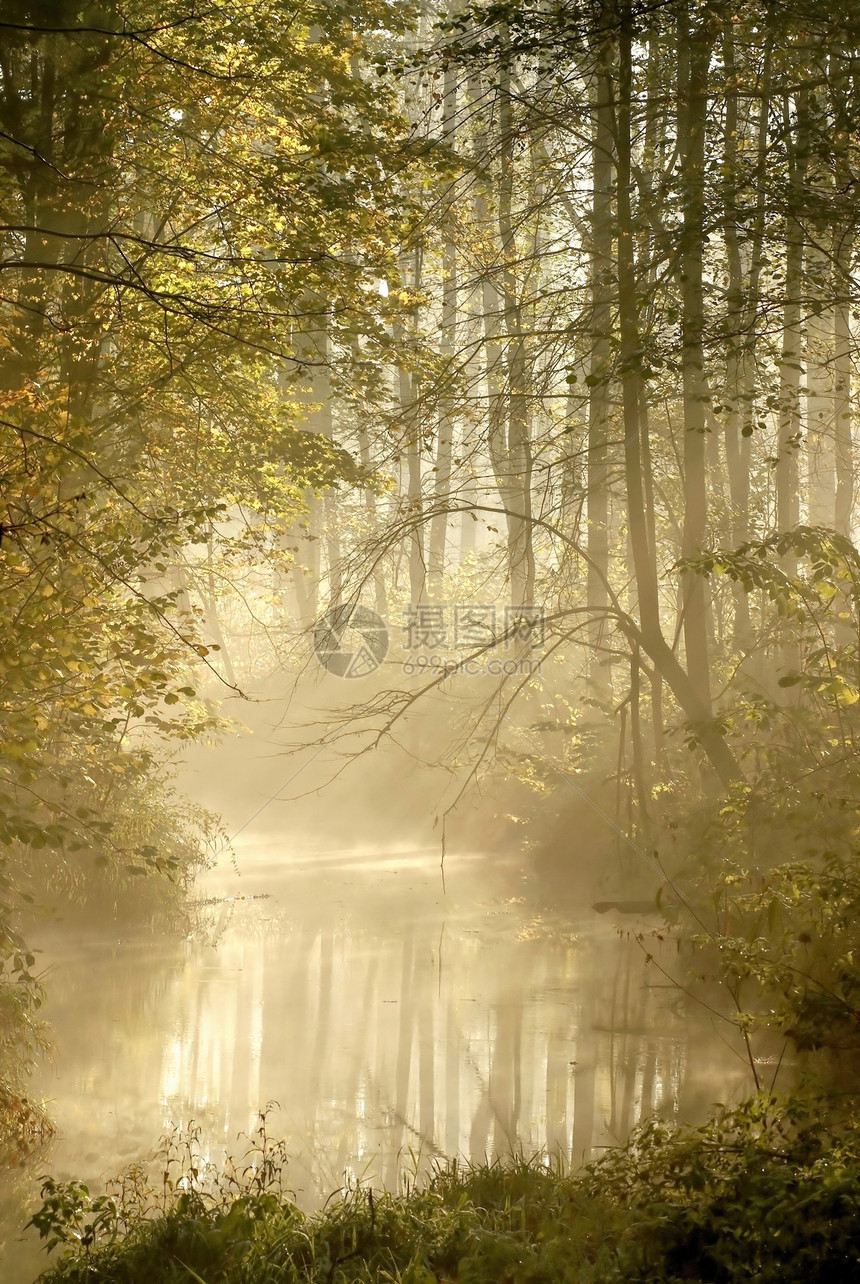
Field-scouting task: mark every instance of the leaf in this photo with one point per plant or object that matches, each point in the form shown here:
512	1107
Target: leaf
197	1278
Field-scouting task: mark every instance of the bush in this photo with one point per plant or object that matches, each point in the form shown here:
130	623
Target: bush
768	1192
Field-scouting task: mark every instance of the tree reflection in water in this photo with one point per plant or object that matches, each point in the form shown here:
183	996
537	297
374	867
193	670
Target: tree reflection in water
393	1023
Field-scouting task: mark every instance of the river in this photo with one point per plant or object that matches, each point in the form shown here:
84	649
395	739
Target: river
395	1017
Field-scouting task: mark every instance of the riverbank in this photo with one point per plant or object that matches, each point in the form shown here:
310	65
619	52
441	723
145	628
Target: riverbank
768	1192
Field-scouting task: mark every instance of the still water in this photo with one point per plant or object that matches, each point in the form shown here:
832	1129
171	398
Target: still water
395	1020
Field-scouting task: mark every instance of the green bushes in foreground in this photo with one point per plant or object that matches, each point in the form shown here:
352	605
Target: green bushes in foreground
767	1192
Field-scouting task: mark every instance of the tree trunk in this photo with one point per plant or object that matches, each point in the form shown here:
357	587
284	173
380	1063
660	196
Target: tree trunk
516	480
306	575
743	303
686	691
694	52
788	446
380	595
445	420
408	388
820	455
842	366
600	289
842	253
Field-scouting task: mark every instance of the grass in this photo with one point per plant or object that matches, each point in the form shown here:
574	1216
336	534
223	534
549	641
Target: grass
768	1192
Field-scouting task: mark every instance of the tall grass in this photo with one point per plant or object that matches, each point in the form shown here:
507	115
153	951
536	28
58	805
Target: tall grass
768	1192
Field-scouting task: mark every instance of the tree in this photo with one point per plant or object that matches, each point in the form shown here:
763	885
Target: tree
178	190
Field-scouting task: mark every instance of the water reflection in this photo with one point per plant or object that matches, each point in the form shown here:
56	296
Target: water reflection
394	1022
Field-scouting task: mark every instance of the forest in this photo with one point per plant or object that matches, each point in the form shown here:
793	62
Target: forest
475	386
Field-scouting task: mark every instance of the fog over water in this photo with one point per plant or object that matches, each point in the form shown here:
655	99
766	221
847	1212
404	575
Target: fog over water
396	1016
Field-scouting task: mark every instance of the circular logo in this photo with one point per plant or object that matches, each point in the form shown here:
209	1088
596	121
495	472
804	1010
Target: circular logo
350	641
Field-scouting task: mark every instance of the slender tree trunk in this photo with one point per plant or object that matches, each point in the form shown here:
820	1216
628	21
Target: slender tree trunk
820	454
213	617
788	447
306	575
842	367
787	471
381	597
333	551
445	421
322	422
743	305
842	255
636	743
842	418
600	288
694	52
408	389
468	523
818	346
491	310
516	488
415	493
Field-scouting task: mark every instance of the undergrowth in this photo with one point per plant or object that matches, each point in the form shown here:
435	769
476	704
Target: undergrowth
767	1192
